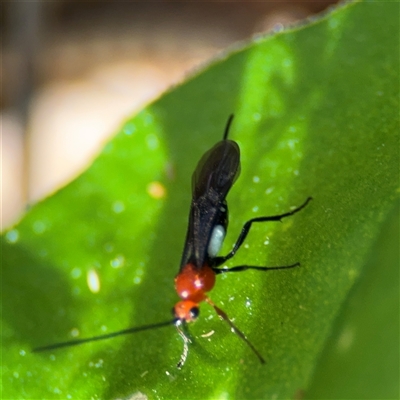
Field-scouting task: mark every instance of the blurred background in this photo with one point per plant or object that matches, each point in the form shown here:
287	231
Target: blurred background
71	72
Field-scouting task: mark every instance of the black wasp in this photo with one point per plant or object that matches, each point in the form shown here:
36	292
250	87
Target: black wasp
212	179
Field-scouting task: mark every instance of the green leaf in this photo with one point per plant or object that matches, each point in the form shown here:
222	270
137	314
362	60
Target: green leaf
361	358
316	113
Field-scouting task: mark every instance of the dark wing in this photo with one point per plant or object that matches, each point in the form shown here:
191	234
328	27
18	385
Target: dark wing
218	169
215	174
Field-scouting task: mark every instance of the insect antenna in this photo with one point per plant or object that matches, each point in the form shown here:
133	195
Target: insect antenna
102	337
228	125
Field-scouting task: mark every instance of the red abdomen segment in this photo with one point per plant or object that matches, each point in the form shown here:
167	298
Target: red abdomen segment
192	284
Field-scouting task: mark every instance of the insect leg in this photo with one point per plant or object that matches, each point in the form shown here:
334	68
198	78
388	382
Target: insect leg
246	228
246	267
222	314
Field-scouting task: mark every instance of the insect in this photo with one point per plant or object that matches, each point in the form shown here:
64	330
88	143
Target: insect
212	179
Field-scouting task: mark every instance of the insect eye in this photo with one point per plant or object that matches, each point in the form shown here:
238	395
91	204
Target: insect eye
194	312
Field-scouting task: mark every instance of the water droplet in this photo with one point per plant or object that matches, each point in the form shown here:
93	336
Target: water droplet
74	332
346	339
12	236
255	209
108	247
148	119
76	290
118	261
108	148
16	374
333	23
93	281
118	207
291	144
129	128
287	62
156	190
269	190
39	227
43	253
256	179
76	273
152	142
22	352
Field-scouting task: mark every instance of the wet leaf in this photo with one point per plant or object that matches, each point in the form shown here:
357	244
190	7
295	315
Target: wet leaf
316	114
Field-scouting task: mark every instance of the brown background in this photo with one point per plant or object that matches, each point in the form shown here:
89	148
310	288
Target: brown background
72	71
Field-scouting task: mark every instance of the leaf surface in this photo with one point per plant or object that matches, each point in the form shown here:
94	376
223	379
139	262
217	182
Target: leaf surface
316	114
